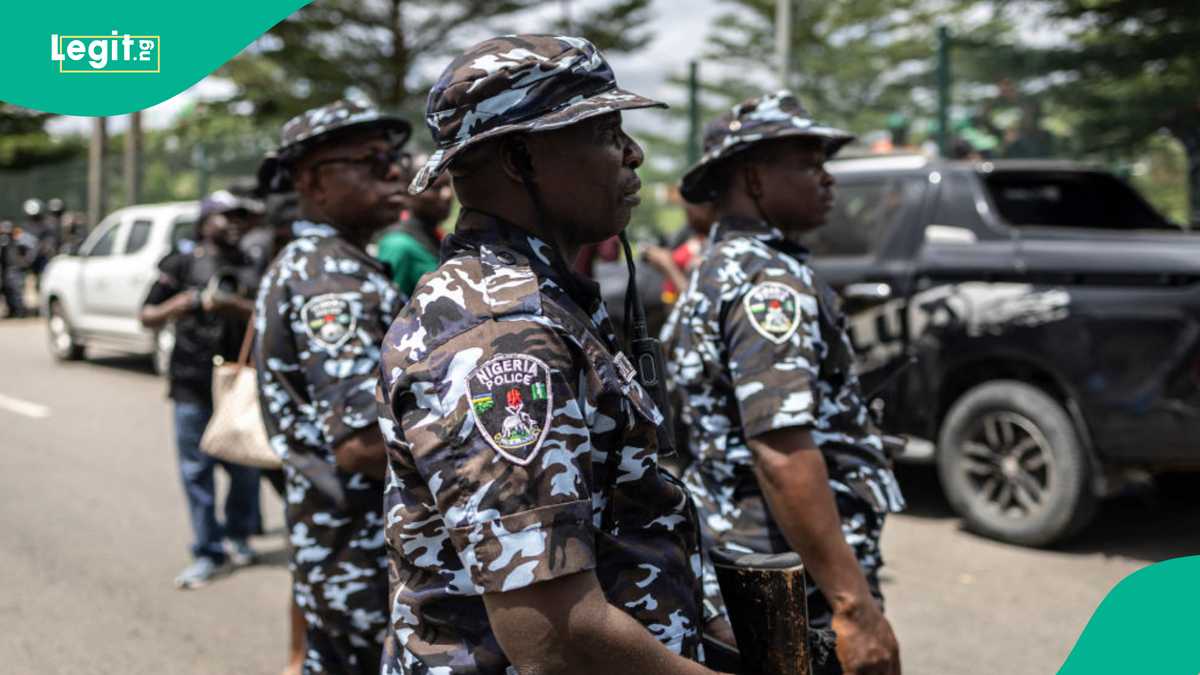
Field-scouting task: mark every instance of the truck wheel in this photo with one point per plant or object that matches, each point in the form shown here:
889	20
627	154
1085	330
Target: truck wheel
63	345
1012	465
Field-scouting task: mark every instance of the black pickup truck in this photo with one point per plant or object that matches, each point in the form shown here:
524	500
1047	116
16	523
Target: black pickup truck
1054	317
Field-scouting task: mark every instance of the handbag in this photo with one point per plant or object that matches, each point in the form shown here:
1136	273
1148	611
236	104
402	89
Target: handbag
236	433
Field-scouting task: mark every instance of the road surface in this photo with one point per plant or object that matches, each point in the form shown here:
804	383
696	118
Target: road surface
94	531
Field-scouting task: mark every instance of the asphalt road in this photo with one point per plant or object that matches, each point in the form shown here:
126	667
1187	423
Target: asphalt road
94	530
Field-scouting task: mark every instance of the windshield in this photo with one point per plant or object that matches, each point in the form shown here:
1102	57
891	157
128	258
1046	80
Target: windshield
1075	199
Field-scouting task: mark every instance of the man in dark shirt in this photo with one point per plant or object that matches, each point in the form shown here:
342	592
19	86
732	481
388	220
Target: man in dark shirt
410	248
207	293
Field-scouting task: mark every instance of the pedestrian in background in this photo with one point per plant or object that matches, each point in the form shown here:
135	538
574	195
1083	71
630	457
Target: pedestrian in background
208	293
16	252
410	249
786	455
322	313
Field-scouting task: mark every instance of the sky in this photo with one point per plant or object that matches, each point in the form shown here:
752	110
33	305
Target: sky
678	38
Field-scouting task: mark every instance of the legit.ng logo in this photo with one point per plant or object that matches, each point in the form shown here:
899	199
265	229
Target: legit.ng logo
107	53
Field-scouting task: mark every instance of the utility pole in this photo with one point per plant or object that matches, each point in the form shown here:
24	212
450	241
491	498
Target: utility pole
133	160
783	40
97	185
943	89
693	139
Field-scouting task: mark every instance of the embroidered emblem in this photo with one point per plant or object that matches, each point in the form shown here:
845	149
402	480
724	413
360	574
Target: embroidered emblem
774	310
511	400
329	319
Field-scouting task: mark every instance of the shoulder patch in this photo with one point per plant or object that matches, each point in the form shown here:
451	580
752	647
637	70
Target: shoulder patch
511	401
329	319
773	310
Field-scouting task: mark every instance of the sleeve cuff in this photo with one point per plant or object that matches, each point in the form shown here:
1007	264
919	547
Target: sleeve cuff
515	551
797	409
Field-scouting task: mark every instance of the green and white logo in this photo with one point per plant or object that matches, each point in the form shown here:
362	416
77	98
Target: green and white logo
115	53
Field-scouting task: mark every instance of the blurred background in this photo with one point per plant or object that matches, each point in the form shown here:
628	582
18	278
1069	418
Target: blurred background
1112	82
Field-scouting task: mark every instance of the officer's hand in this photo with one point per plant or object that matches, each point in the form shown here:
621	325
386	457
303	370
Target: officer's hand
866	644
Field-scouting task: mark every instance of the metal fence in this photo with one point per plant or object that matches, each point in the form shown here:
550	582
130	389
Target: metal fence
170	171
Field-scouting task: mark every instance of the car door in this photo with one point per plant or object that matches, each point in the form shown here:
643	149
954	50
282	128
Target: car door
863	253
136	273
100	268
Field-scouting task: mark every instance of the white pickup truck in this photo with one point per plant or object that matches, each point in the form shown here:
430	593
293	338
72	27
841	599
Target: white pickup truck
93	296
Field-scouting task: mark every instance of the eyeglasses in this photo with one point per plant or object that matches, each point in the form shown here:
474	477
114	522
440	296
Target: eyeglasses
379	163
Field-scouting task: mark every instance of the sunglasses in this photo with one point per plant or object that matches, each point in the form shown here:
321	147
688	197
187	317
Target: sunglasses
378	164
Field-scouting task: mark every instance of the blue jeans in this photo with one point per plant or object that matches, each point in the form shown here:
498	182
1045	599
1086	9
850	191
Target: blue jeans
196	470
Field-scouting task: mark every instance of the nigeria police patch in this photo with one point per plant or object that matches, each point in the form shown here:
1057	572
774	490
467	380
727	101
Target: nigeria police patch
329	319
511	403
774	310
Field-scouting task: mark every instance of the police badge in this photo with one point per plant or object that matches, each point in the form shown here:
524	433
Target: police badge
774	310
511	401
329	320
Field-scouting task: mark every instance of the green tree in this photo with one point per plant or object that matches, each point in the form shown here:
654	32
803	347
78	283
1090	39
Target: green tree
853	63
24	142
1127	69
389	49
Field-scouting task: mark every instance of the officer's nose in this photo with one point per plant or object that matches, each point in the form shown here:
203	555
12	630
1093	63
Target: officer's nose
634	155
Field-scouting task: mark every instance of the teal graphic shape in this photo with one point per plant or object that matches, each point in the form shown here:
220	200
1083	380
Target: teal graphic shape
1148	624
195	38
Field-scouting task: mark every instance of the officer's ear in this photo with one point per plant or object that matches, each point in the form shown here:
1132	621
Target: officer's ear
516	159
752	178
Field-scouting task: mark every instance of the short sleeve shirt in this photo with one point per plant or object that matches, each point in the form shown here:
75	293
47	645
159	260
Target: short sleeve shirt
323	309
200	335
521	449
756	344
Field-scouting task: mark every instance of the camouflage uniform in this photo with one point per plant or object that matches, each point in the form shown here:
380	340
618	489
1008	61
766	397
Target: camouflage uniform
323	309
756	344
521	446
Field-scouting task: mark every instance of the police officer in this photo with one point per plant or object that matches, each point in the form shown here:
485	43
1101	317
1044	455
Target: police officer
322	312
16	251
529	526
787	457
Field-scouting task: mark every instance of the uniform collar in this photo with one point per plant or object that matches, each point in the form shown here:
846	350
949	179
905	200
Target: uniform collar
307	228
476	229
737	226
311	230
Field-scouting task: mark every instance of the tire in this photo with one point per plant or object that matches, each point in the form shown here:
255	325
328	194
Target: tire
64	346
1012	465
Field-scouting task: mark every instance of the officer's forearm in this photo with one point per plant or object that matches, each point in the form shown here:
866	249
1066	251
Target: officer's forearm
566	625
795	481
363	453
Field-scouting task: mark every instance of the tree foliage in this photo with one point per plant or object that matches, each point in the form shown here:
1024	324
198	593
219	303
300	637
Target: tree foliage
390	50
24	142
1123	71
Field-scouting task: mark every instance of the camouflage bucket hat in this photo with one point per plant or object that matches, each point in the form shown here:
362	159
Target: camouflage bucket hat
778	115
518	83
318	124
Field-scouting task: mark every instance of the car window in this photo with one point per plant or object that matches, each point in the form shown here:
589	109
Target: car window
104	245
956	203
1081	199
139	234
183	228
864	215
